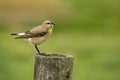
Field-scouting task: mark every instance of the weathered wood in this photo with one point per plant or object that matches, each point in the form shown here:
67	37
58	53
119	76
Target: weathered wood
53	67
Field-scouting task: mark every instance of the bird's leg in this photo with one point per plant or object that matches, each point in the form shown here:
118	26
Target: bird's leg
37	49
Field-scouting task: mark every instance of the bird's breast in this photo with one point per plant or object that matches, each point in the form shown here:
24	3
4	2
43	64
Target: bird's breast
37	40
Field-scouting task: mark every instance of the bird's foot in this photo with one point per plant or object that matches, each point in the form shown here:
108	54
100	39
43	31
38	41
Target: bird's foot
42	54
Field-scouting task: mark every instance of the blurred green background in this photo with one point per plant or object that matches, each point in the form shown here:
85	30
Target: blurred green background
87	29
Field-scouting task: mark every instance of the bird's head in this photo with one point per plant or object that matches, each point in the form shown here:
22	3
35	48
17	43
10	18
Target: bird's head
48	24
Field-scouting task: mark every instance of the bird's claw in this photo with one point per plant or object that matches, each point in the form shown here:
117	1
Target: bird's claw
42	54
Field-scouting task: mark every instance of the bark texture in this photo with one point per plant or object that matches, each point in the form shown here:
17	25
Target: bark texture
53	67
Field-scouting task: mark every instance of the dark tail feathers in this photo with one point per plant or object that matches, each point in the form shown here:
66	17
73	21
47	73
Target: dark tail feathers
13	34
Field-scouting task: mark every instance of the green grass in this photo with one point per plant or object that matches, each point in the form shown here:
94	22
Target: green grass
91	33
96	56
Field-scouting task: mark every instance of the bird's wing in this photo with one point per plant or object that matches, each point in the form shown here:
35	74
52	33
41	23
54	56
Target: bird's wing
32	35
38	29
35	32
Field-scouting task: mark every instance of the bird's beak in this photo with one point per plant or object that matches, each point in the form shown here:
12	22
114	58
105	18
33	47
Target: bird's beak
53	23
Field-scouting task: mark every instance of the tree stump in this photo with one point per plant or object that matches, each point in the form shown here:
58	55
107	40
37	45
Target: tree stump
53	67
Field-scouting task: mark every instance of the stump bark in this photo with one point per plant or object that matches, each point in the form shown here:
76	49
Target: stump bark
53	67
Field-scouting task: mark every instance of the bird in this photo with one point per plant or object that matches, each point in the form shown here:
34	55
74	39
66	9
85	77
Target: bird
37	35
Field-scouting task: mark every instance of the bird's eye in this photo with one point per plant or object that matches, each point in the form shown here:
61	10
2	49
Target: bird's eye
48	23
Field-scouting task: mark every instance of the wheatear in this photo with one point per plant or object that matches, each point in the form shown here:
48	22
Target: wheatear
37	35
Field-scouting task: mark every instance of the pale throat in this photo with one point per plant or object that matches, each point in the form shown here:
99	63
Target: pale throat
49	28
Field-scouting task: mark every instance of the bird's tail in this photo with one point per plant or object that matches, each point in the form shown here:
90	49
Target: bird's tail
13	33
18	35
